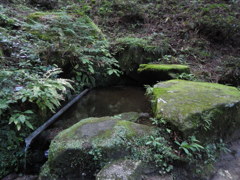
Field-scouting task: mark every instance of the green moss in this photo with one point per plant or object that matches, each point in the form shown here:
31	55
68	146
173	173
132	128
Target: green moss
45	15
163	67
193	105
128	126
5	21
45	171
46	36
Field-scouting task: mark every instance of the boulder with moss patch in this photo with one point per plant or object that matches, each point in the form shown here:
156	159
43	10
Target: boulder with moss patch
132	51
127	169
151	73
86	145
198	108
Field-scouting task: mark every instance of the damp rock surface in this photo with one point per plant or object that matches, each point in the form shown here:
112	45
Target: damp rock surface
126	169
123	169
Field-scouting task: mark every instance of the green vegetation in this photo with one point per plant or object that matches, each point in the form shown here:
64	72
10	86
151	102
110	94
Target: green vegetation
52	50
25	101
32	48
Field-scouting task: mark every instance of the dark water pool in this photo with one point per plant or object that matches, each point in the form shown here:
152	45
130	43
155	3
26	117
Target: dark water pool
106	102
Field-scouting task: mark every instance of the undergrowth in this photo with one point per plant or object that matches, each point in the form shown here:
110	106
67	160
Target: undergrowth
45	58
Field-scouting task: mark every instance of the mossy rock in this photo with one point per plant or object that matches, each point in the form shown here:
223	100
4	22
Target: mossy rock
121	169
207	110
86	145
128	169
151	73
132	51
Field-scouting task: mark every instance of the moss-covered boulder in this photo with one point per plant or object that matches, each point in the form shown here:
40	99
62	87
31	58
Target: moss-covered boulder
151	73
85	146
132	51
198	108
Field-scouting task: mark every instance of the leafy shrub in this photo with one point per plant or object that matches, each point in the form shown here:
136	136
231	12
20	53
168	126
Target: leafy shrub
74	43
46	92
31	85
24	100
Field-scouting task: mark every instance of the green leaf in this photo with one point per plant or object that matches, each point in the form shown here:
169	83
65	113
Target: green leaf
29	124
18	127
21	118
186	151
28	112
24	99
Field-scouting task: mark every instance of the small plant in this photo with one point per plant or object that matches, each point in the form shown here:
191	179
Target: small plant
191	146
149	90
186	76
154	149
169	59
21	118
158	121
96	153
